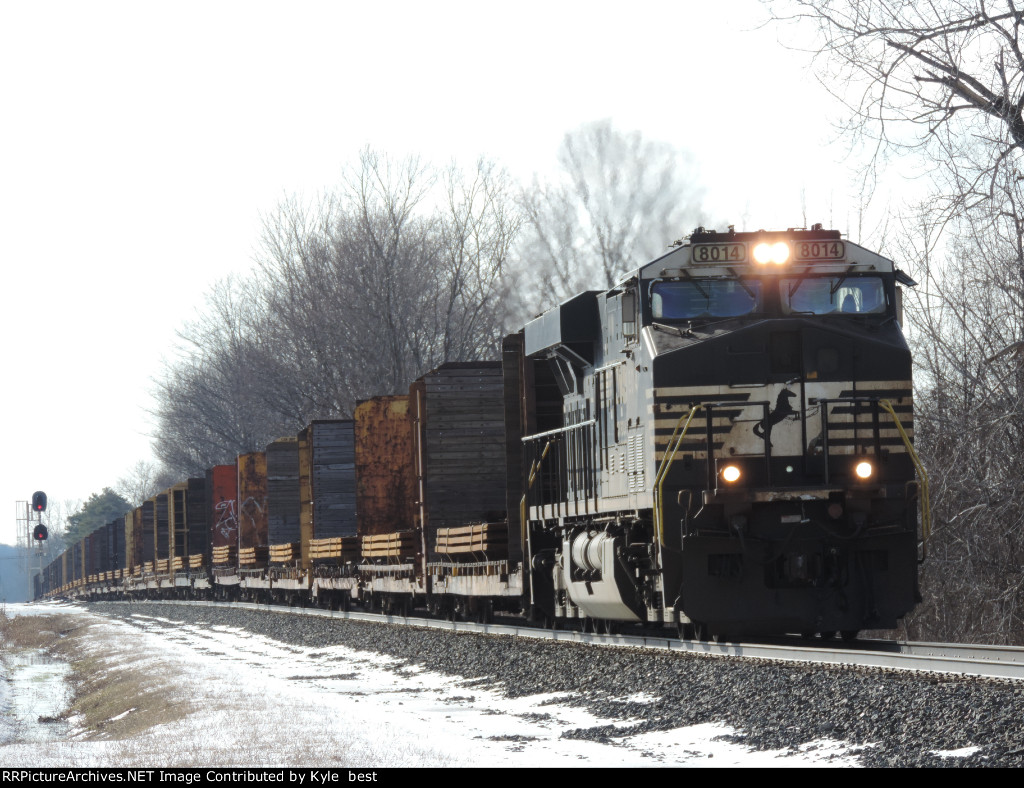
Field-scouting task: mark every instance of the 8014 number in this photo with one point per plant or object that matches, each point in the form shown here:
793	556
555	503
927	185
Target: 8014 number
820	250
719	253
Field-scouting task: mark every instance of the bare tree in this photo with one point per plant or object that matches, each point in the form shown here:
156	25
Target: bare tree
619	201
307	311
355	294
969	424
942	80
478	231
387	255
211	400
142	481
56	521
401	270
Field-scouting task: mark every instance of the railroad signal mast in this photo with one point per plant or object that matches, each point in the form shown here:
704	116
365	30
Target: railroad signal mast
32	532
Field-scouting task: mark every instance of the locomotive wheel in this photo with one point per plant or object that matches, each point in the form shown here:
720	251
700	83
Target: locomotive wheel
345	601
700	631
830	635
850	635
609	627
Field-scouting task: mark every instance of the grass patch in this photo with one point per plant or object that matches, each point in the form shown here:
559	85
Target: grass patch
105	685
23	633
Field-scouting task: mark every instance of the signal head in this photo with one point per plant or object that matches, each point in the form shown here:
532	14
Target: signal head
39	501
39	533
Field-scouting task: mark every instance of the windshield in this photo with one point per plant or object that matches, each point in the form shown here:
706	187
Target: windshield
826	295
704	298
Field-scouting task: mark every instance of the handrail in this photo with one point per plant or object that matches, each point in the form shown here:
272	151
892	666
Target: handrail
524	530
926	511
666	463
534	469
559	431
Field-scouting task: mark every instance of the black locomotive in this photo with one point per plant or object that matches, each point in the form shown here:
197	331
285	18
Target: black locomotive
733	426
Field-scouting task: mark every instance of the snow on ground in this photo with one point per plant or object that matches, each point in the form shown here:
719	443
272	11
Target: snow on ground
43	694
258	702
963	752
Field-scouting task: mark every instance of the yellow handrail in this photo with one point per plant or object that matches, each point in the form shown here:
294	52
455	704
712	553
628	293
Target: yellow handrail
666	462
926	511
534	469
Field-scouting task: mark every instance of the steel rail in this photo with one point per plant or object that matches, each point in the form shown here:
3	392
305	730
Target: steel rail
997	662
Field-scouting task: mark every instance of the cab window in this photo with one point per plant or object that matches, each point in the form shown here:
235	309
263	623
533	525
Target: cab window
832	295
696	298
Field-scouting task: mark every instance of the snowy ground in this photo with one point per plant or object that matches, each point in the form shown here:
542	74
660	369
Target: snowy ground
251	701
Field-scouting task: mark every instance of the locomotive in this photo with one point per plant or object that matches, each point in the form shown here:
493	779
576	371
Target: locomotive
735	452
723	443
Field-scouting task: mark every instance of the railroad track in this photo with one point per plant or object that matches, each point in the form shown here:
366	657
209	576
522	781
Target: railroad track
997	662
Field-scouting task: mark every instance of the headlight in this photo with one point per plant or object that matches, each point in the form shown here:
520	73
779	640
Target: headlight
730	473
864	469
777	253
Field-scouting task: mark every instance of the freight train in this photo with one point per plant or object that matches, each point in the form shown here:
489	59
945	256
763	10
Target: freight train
721	443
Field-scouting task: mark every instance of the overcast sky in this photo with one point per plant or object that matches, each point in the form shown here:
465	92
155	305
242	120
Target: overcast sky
142	141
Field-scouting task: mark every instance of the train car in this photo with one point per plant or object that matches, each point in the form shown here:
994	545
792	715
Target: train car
221	492
723	441
330	546
720	443
473	563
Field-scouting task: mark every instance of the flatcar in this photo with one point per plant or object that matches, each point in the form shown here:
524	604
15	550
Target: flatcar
722	443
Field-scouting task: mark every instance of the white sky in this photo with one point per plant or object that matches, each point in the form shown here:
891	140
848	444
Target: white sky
140	143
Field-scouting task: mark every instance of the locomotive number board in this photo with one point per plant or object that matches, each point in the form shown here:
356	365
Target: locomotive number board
710	254
819	250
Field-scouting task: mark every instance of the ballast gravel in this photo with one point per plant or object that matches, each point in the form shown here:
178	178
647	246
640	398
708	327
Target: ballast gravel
892	718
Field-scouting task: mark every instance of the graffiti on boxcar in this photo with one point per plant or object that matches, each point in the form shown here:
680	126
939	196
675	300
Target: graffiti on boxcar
227	520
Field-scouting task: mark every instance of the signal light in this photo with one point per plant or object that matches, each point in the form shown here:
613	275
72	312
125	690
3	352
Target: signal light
39	502
39	533
864	469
